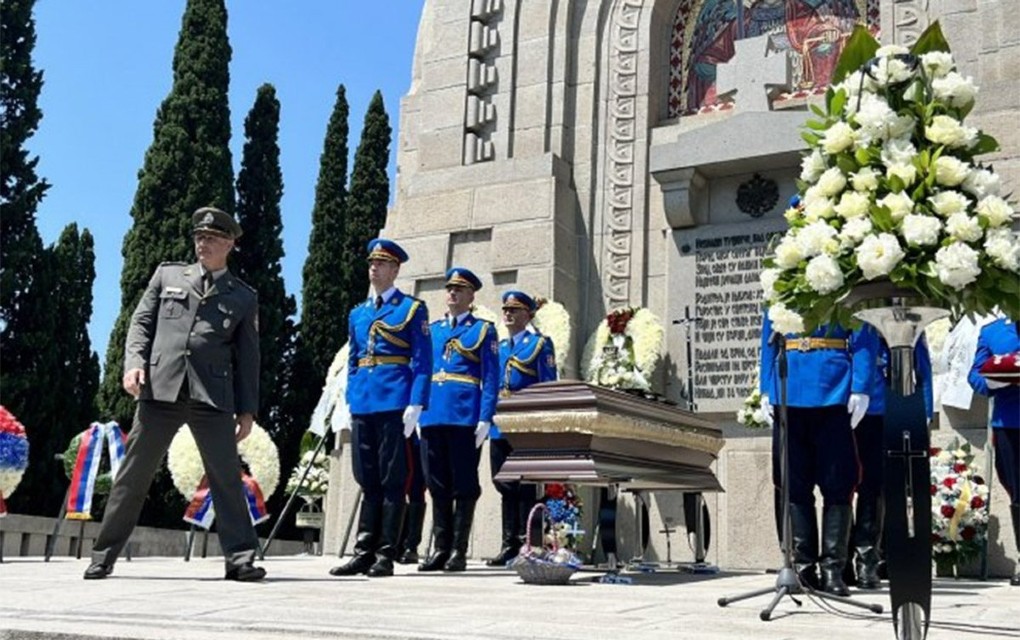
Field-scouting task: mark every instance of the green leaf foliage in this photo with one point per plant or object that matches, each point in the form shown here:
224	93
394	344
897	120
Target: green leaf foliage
931	40
860	48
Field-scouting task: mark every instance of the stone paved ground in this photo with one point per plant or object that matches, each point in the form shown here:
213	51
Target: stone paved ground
168	598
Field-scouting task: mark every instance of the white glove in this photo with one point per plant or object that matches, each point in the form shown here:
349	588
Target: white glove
857	407
766	409
995	384
417	430
481	433
411	415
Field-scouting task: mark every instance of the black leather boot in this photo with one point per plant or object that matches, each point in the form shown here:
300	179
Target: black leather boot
867	531
442	530
369	525
835	537
411	533
463	514
386	553
511	543
1014	511
804	529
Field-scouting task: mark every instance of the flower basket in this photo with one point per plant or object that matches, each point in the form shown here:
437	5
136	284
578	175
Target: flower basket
540	564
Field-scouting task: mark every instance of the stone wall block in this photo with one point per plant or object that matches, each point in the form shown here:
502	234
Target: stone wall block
512	202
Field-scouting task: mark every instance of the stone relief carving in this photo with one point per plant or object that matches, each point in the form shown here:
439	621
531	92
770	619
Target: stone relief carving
479	110
619	209
910	19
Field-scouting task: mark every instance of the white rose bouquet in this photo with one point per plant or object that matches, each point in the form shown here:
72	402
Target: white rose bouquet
890	189
624	350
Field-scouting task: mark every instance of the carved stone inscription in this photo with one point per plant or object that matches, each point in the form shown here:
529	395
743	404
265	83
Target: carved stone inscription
727	300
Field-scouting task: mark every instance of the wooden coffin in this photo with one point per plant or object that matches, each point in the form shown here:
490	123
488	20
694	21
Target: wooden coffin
571	431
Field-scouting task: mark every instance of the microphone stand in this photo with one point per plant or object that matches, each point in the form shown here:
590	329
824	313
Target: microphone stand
788	583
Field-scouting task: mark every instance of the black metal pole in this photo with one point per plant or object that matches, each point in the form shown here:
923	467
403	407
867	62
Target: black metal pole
292	498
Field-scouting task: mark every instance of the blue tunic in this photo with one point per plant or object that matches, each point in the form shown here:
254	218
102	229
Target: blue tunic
531	360
465	373
997	338
922	374
390	362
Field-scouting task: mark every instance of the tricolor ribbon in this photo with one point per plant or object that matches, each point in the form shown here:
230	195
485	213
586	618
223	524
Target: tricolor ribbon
200	511
86	466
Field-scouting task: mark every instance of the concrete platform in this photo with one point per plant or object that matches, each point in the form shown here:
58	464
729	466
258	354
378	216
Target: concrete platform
168	598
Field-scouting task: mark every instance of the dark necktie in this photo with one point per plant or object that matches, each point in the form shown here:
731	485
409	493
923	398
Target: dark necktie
453	323
207	282
378	302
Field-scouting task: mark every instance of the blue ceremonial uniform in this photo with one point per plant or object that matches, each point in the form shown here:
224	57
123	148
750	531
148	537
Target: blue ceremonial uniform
465	382
824	369
531	359
1000	338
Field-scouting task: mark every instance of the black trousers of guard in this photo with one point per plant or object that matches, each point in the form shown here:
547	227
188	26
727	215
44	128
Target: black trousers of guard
1007	461
517	497
381	469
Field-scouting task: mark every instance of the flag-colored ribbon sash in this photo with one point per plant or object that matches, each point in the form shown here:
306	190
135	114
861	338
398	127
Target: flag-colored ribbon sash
86	466
200	511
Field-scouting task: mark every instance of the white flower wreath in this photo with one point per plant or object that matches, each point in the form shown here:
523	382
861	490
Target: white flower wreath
637	336
552	320
257	450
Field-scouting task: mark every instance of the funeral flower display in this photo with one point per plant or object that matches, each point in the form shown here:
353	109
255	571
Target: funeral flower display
959	505
564	509
552	320
257	451
625	349
317	481
13	455
751	414
891	189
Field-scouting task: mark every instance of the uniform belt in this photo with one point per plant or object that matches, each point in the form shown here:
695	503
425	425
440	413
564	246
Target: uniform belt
443	376
372	361
810	344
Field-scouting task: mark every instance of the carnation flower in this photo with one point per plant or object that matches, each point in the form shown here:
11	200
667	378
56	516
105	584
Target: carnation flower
788	253
963	227
878	255
921	230
950	132
854	231
899	204
853	205
898	151
946	203
784	320
904	171
1003	247
981	183
812	166
890	71
866	179
954	90
995	211
950	171
768	280
823	274
891	50
831	182
837	138
957	265
815	238
816	206
937	63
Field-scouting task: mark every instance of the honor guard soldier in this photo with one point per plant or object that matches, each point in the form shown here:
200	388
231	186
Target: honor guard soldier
1002	338
866	534
191	356
830	375
387	387
525	358
465	381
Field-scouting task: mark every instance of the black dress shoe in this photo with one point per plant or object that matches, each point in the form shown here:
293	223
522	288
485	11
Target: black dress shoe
1015	580
356	565
457	562
506	554
246	573
409	557
382	568
436	562
98	571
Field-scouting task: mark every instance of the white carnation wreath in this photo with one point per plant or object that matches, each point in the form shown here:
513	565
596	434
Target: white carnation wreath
257	450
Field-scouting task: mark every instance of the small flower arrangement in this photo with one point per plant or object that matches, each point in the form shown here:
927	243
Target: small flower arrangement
625	349
257	450
552	320
13	455
751	415
959	505
564	509
316	483
890	189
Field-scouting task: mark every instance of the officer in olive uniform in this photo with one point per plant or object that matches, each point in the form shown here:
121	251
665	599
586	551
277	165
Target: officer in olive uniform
465	380
192	356
388	377
1002	337
525	358
866	534
830	374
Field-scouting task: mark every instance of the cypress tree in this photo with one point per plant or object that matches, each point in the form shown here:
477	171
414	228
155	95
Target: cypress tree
370	195
26	318
325	296
187	166
259	190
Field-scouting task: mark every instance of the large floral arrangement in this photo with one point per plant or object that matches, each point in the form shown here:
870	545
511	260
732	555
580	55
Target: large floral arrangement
624	350
959	504
564	508
257	451
13	455
890	189
552	320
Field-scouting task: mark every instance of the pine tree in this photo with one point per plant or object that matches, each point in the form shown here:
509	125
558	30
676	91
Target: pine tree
369	197
325	295
259	190
188	166
26	318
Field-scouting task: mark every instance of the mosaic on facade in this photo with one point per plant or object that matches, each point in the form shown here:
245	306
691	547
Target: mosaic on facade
812	31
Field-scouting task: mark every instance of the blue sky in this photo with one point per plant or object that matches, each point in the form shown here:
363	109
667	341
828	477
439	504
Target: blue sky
107	68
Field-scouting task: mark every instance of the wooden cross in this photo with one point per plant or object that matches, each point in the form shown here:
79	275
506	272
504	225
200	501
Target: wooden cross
908	454
752	74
